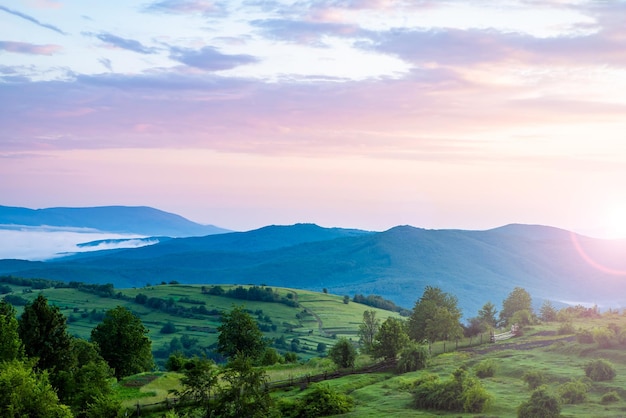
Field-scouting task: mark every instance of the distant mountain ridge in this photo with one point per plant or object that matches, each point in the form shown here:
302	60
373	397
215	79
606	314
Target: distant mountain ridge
140	220
476	266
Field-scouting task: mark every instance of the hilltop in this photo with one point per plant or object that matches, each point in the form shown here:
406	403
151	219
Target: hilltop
141	220
476	266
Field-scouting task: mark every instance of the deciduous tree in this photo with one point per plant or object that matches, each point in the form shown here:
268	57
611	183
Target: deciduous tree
368	329
122	342
343	353
518	300
10	343
239	333
390	339
435	316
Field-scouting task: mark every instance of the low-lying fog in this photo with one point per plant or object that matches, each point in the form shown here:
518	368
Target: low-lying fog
43	243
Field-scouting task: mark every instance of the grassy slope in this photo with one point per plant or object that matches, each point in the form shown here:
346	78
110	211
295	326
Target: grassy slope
336	317
388	394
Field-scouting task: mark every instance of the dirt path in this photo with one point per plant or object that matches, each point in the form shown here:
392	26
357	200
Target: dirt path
320	324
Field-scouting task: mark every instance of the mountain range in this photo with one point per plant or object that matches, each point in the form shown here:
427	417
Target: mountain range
139	220
475	266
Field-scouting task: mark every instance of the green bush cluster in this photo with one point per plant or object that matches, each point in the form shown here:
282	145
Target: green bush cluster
534	379
573	392
541	404
413	357
321	401
486	368
584	336
462	393
600	370
611	396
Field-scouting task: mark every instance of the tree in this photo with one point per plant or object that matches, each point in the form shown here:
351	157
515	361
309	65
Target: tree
200	383
245	393
10	344
343	353
87	381
518	300
27	393
487	315
122	342
435	316
43	331
368	329
240	334
547	312
390	339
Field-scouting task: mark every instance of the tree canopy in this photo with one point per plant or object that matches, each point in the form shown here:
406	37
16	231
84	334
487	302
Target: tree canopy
435	316
10	343
121	340
239	333
518	300
390	339
43	331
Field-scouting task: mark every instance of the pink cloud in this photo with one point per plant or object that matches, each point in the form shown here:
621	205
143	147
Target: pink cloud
28	48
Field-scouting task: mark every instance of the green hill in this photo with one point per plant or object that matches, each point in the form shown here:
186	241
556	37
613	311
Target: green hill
309	317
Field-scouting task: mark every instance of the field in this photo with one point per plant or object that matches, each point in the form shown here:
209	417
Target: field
560	357
320	318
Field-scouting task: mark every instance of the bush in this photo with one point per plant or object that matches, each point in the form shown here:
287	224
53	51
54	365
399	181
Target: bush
413	357
343	353
604	337
540	405
168	328
486	368
321	401
534	379
566	328
270	357
611	396
573	392
290	357
462	393
584	336
600	370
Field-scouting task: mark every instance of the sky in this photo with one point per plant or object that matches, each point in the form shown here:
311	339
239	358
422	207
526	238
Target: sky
351	113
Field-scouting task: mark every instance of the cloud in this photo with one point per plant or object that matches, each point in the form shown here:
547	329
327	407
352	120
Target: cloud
305	32
123	43
32	19
106	63
27	48
187	6
209	58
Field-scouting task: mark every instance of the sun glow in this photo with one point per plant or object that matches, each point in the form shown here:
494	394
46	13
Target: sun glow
615	220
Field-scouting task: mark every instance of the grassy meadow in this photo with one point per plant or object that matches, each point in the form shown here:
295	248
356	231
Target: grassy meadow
322	317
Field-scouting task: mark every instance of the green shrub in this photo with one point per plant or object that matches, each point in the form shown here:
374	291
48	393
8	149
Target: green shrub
600	370
343	353
270	357
413	357
534	379
540	405
566	328
321	401
573	392
461	393
611	396
604	337
290	357
584	336
486	368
